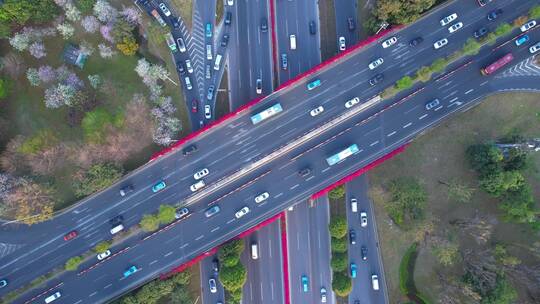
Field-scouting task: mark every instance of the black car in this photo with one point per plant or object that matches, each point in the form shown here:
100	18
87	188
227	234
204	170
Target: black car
494	14
125	190
378	78
304	172
363	253
228	18
312	28
352	236
116	220
480	33
215	265
189	150
225	40
175	22
264	25
180	67
351	24
416	41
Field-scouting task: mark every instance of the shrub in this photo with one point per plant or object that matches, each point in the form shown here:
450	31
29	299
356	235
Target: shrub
500	182
424	74
149	223
4	88
484	158
503	29
341	284
534	12
73	263
408	201
102	246
338	227
339	262
233	278
404	83
85	6
339	245
166	214
232	248
406	271
446	254
471	47
337	193
39	142
439	65
97	177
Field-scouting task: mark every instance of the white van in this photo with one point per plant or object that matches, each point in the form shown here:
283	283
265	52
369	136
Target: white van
254	251
354	205
52	297
375	282
116	229
292	39
218	62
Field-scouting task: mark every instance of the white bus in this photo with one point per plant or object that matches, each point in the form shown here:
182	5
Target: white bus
269	112
343	154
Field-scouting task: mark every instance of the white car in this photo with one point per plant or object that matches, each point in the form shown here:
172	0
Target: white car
164	9
188	83
258	86
53	297
103	255
363	219
262	197
446	20
323	295
242	212
342	43
230	2
527	26
207	113
181	45
201	173
535	48
455	27
389	42
439	44
198	185
189	67
375	63
352	102
318	110
212	284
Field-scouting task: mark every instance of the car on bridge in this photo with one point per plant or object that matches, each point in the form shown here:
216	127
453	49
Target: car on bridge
521	40
197	186
494	14
201	173
318	110
126	189
432	104
240	213
71	235
416	41
131	270
189	150
53	297
363	253
208	30
455	27
262	197
313	84
103	255
159	186
446	20
535	48
481	32
352	102
305	283
376	63
212	211
376	79
181	213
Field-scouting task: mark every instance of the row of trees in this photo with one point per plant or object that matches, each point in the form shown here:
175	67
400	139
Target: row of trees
500	176
165	215
175	288
341	281
407	203
397	12
233	273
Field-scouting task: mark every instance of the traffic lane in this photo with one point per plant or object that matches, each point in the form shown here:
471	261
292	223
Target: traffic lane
320	242
344	10
252	291
207	273
299	253
262	49
271	263
348	171
366	236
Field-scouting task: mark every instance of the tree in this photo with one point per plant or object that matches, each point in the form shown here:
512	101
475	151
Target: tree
166	214
7	184
498	183
128	46
337	193
404	83
95	80
471	47
516	159
85	6
31	203
105	51
105	12
446	253
423	74
153	291
233	278
102	246
439	65
90	24
181	295
339	245
338	227
341	284
182	278
149	223
73	263
502	256
43	139
235	296
46	74
484	158
97	177
401	12
519	205
503	293
407	202
20	41
534	12
339	262
66	30
232	248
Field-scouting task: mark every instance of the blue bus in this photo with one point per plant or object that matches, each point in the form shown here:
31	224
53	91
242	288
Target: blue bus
271	111
343	154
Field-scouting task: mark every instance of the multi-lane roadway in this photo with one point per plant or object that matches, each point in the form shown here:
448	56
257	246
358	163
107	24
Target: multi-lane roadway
237	144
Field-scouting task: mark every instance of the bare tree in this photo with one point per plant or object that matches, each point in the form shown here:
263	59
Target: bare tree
479	227
31	203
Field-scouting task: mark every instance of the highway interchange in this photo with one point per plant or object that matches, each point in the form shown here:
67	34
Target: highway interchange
377	130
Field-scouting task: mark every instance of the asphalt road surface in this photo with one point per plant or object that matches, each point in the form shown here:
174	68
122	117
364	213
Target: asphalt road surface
208	273
309	251
237	144
365	236
345	10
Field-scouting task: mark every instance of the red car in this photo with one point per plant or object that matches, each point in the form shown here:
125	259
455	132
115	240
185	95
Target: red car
70	235
194	106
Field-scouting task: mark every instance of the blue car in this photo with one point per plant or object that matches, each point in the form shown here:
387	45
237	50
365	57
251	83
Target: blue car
131	270
521	40
209	30
312	85
159	186
353	270
305	283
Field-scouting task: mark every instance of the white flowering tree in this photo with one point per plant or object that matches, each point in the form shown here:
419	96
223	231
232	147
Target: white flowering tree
59	95
90	24
33	77
105	12
20	41
66	30
46	74
95	80
105	51
72	12
37	49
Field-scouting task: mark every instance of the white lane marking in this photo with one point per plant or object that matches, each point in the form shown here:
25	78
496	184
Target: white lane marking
230	221
438	108
324	170
168	253
453	99
215	229
407	125
422	117
483	83
78	302
469	91
153	262
390	134
374	143
295	186
106	287
92	294
199	237
279	194
184	246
